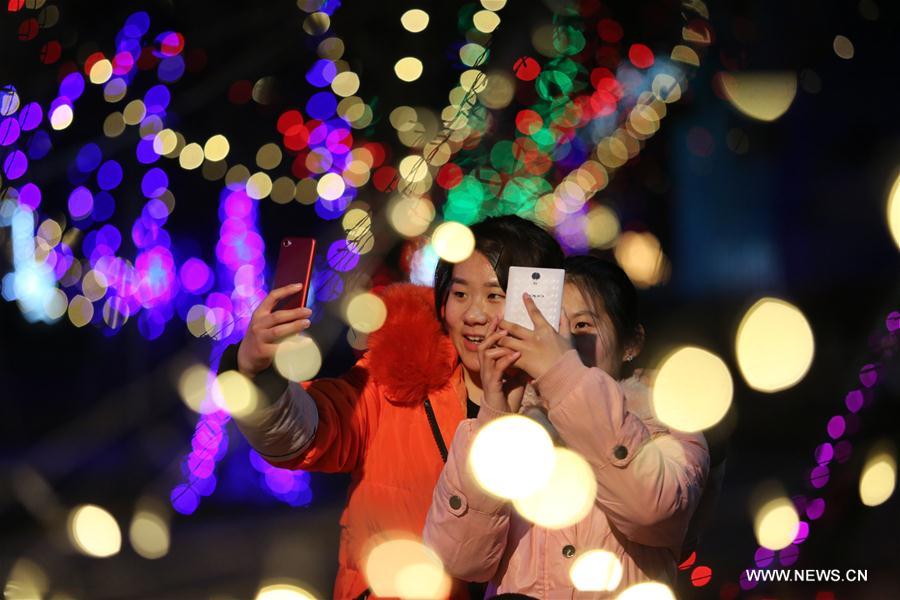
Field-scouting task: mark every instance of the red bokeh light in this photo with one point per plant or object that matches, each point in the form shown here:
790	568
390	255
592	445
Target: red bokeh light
527	69
640	56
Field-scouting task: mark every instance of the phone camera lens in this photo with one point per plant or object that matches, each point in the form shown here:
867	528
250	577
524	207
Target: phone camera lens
286	243
535	275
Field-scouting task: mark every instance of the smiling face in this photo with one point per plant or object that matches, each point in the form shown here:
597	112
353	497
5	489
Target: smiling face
475	298
592	331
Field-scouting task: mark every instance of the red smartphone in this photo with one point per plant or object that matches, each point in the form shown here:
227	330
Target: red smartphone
295	263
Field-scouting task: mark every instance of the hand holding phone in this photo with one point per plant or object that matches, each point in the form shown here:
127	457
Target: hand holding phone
282	312
532	319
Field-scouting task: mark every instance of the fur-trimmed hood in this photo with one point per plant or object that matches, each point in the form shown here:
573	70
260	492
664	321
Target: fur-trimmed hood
410	356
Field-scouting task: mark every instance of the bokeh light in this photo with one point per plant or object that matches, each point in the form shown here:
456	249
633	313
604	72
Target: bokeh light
236	394
692	390
640	255
596	571
893	211
414	20
149	531
879	475
283	590
93	531
776	524
774	345
366	312
512	457
26	581
763	96
298	358
405	568
408	68
649	590
566	498
453	242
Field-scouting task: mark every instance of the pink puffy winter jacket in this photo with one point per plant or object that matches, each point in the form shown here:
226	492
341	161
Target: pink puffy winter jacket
649	481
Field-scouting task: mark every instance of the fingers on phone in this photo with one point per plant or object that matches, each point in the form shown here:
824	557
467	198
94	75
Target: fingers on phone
278	293
286	316
282	331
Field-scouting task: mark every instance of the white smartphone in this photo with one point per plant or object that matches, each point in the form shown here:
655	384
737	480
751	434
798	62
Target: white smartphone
545	286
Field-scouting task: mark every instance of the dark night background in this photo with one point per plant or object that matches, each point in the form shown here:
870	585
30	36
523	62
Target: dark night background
799	213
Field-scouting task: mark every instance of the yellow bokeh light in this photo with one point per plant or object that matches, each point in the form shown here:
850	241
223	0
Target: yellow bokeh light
149	534
283	190
666	88
283	590
453	242
893	211
413	168
596	571
101	71
165	142
649	590
134	112
843	47
192	387
411	216
408	68
566	498
26	581
776	524
640	256
298	358
216	148
81	311
692	390
494	5
405	568
485	21
774	345
93	531
235	393
331	186
62	117
191	156
317	23
366	312
473	80
403	118
764	96
345	84
113	125
512	457
259	185
268	156
602	227
879	476
414	20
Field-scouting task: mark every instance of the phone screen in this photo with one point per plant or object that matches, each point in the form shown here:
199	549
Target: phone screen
295	261
545	286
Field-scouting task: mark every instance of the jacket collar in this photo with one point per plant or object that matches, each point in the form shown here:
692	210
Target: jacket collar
410	356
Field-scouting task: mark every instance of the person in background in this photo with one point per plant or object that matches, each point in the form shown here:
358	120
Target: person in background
386	421
649	478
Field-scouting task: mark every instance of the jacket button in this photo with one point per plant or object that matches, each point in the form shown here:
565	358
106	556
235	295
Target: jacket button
568	550
455	502
620	452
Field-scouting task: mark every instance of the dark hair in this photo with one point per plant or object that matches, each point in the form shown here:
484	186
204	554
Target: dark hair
601	278
505	241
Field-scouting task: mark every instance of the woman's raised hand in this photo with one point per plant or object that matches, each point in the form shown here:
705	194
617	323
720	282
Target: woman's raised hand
502	392
539	349
267	329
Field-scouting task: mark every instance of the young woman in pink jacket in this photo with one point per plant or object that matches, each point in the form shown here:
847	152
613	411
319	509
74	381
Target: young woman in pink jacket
649	478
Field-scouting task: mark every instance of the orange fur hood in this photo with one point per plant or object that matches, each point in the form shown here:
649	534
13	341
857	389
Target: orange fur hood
410	356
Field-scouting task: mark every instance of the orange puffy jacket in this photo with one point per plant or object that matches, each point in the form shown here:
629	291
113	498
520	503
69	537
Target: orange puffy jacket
373	424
